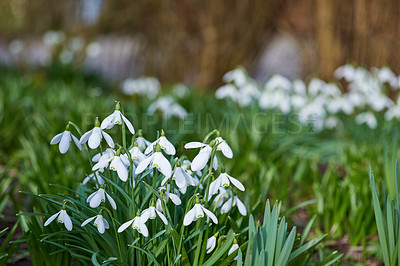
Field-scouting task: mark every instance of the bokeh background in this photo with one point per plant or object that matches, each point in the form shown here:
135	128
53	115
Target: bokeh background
196	42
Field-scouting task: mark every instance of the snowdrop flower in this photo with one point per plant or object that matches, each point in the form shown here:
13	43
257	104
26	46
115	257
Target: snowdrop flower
201	159
181	177
151	213
167	196
99	222
94	176
119	163
62	217
99	196
64	139
231	202
116	118
234	247
156	160
198	212
211	243
367	118
224	180
141	141
138	223
167	146
95	136
136	153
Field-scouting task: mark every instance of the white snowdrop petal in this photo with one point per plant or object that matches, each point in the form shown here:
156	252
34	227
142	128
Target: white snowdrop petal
188	219
56	139
200	161
215	163
143	229
210	215
128	124
162	217
108	120
108	139
76	141
227	206
66	220
226	150
112	202
95	138
162	164
241	207
175	199
100	224
237	183
125	225
54	216
64	142
194	145
88	220
164	180
180	179
214	186
91	196
101	164
143	165
233	248
95	200
167	146
211	243
86	136
106	225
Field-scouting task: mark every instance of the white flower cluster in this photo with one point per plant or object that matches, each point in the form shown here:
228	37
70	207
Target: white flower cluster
144	86
320	103
181	180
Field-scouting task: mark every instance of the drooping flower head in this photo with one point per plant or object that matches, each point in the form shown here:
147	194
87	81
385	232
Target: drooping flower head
65	139
95	135
164	143
99	222
116	118
62	217
198	212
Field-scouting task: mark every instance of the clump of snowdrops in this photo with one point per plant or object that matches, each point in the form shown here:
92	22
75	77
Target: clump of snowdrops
142	203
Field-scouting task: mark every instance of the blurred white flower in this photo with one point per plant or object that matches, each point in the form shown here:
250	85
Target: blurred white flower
168	107
367	118
145	86
93	49
62	217
16	47
141	141
99	222
136	153
52	38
